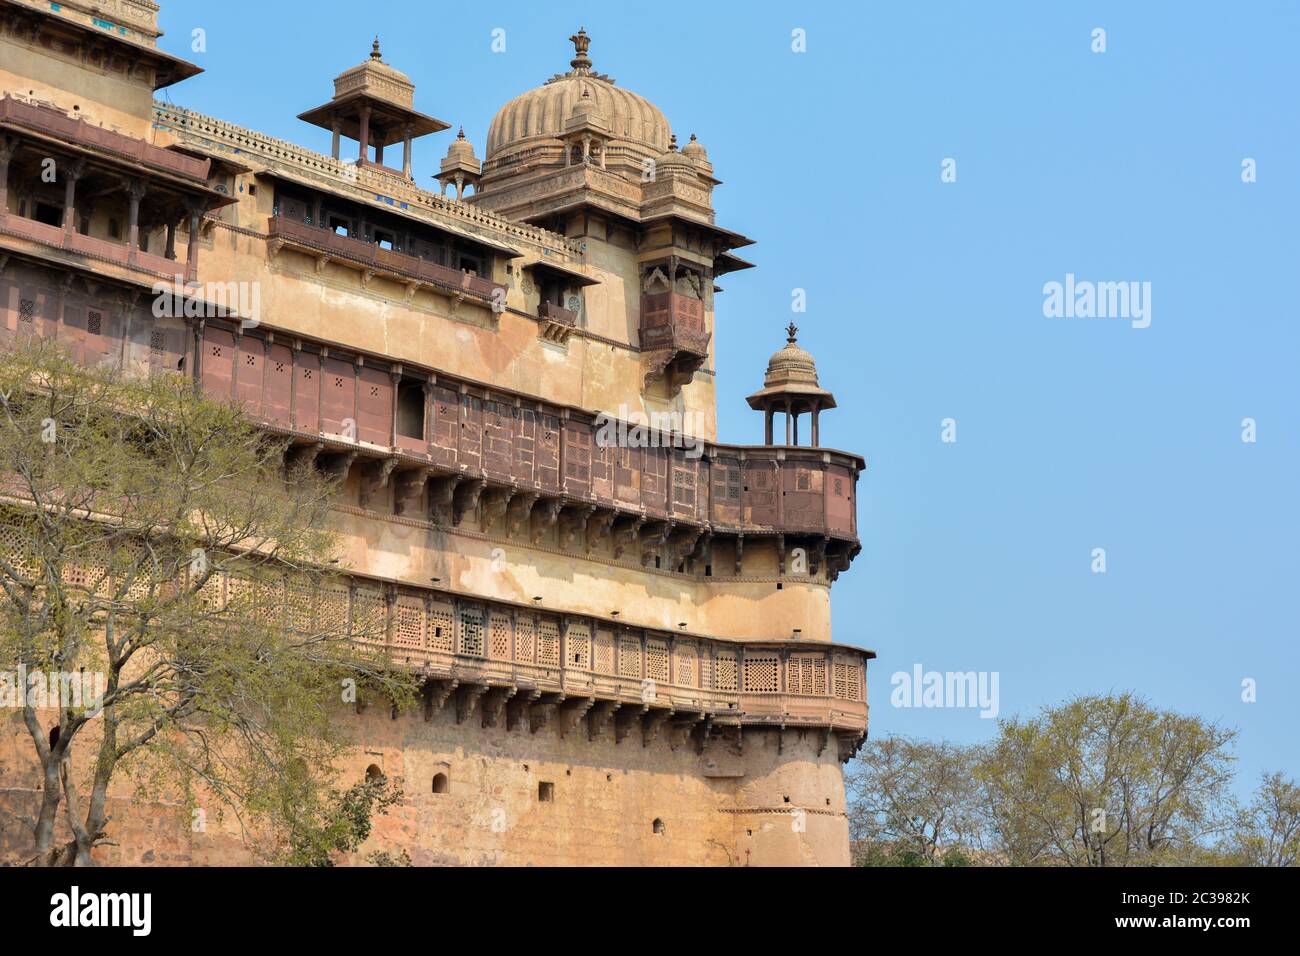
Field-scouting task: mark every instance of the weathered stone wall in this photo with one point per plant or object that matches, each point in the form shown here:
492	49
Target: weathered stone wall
763	804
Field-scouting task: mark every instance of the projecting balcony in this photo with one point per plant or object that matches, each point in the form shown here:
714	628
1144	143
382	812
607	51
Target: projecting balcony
672	330
557	321
373	259
45	120
104	250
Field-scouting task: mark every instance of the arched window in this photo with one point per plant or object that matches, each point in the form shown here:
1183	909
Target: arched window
374	774
441	784
658	826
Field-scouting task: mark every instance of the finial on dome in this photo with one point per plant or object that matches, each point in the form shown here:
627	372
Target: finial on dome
461	134
374	49
672	143
791	331
581	63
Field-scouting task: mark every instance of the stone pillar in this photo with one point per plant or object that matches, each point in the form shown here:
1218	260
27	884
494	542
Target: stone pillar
7	149
406	151
135	190
170	251
192	251
334	143
788	423
363	137
379	154
767	425
796	428
71	173
816	438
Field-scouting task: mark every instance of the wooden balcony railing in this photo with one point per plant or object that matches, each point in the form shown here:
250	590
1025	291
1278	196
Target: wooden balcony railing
53	122
470	641
286	231
103	249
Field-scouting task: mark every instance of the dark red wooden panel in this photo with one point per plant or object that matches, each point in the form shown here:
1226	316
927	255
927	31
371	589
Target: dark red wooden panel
728	479
249	369
802	505
307	380
602	471
375	406
654	480
839	499
578	437
470	449
627	475
760	493
218	363
338	397
685	483
525	445
498	438
279	385
445	429
547	466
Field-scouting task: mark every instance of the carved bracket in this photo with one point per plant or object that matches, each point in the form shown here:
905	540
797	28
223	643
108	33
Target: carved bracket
573	520
653	541
467	699
495	504
626	719
521	506
442	492
598	526
598	719
519	706
573	712
466	499
408	487
544	516
494	704
436	693
374	478
626	535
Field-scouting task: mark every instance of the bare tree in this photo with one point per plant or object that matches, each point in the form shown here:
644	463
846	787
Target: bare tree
913	801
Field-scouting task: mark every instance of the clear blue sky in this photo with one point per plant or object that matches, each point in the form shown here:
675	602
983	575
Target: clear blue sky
925	300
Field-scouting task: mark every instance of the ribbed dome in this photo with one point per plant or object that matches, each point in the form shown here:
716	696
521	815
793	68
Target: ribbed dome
790	365
543	111
791	380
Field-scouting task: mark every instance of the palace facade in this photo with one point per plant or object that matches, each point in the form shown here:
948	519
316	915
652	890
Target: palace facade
622	623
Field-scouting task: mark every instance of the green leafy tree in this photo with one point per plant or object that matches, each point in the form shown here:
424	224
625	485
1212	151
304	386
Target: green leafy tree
1106	781
125	502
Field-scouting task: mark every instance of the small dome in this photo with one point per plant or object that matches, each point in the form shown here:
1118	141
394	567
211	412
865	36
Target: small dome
695	151
791	376
460	147
672	157
541	113
791	364
460	155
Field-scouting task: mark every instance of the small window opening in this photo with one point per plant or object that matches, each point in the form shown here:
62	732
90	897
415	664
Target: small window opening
658	826
441	784
410	409
49	214
546	792
374	774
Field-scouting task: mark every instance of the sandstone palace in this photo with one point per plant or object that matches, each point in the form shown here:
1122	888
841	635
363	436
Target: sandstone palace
622	624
